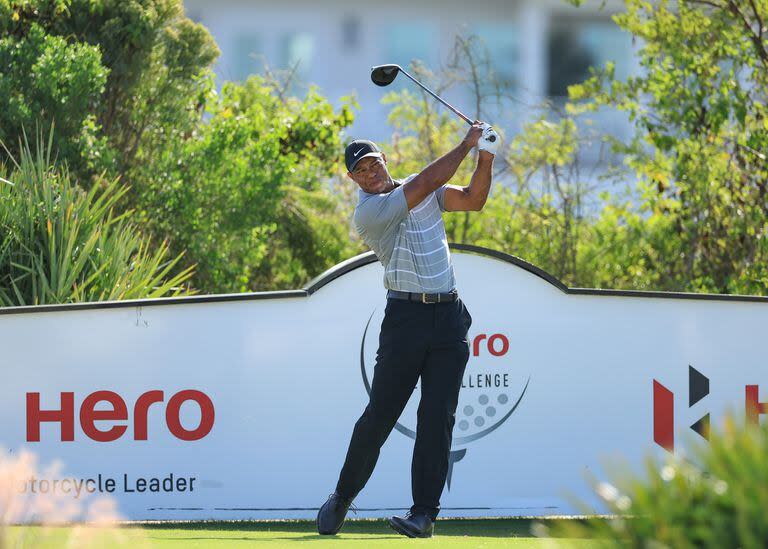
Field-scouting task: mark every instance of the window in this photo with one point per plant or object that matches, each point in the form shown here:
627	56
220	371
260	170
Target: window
248	49
297	49
350	32
576	45
502	41
406	42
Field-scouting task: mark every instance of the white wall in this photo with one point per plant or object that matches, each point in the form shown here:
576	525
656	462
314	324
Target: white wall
285	377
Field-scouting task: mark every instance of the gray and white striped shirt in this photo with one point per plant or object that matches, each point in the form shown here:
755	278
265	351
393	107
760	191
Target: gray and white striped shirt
412	246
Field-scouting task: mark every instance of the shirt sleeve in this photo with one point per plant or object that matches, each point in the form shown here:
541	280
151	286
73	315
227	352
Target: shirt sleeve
381	213
440	195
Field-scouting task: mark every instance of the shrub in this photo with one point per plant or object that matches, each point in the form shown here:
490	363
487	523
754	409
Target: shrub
716	499
60	244
248	195
120	80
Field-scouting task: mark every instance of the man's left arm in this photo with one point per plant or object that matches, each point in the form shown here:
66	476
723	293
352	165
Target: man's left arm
473	196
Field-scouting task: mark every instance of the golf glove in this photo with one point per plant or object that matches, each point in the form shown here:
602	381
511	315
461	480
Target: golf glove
490	140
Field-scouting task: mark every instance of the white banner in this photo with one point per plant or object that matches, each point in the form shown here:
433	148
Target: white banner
242	406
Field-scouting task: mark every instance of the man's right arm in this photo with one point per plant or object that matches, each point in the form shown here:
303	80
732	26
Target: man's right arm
439	172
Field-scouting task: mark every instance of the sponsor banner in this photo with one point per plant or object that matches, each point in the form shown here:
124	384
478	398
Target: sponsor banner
242	407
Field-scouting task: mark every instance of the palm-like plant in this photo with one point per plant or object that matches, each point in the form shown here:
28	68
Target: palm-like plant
60	244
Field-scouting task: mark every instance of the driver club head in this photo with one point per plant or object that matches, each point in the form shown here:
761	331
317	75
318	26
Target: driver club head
384	75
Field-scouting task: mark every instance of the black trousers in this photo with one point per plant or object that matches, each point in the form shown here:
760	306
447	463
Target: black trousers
427	341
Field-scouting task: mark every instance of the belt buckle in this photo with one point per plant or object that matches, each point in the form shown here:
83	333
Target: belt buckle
428	302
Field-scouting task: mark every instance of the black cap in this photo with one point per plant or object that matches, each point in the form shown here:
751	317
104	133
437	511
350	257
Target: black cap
359	149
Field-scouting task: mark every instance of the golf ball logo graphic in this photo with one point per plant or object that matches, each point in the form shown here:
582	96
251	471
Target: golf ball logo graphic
490	392
480	414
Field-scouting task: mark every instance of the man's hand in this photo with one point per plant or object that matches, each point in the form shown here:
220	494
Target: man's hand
473	196
489	141
474	134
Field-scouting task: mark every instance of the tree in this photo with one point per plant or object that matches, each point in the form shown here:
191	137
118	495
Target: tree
701	131
45	78
118	80
535	209
247	196
696	219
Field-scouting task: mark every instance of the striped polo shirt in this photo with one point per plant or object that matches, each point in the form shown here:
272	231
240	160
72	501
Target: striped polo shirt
411	245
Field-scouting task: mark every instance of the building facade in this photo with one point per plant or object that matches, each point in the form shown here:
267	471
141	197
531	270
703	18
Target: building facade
536	47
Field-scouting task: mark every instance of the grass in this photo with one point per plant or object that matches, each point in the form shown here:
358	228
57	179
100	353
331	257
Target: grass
476	533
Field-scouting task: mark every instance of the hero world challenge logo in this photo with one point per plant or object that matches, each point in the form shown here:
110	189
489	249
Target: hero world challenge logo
698	389
92	410
491	390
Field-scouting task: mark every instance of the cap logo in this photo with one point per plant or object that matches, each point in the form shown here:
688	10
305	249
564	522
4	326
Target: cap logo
358	152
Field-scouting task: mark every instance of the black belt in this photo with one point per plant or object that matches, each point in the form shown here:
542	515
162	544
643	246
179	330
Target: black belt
453	295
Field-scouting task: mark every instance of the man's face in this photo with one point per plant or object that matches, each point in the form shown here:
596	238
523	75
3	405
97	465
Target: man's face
371	175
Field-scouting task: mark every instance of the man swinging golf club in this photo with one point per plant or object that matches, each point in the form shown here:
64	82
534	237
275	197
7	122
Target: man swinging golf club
424	331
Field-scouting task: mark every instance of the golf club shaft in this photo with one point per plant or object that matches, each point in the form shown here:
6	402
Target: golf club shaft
433	94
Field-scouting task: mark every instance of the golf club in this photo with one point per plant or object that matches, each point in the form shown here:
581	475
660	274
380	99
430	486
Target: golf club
384	75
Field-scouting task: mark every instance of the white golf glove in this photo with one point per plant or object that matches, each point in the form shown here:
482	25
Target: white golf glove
490	140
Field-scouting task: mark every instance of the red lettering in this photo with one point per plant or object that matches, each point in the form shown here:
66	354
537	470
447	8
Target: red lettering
89	415
118	412
504	344
173	419
754	407
663	416
140	413
476	344
65	416
491	344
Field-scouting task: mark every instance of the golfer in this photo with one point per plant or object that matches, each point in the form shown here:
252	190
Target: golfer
424	331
